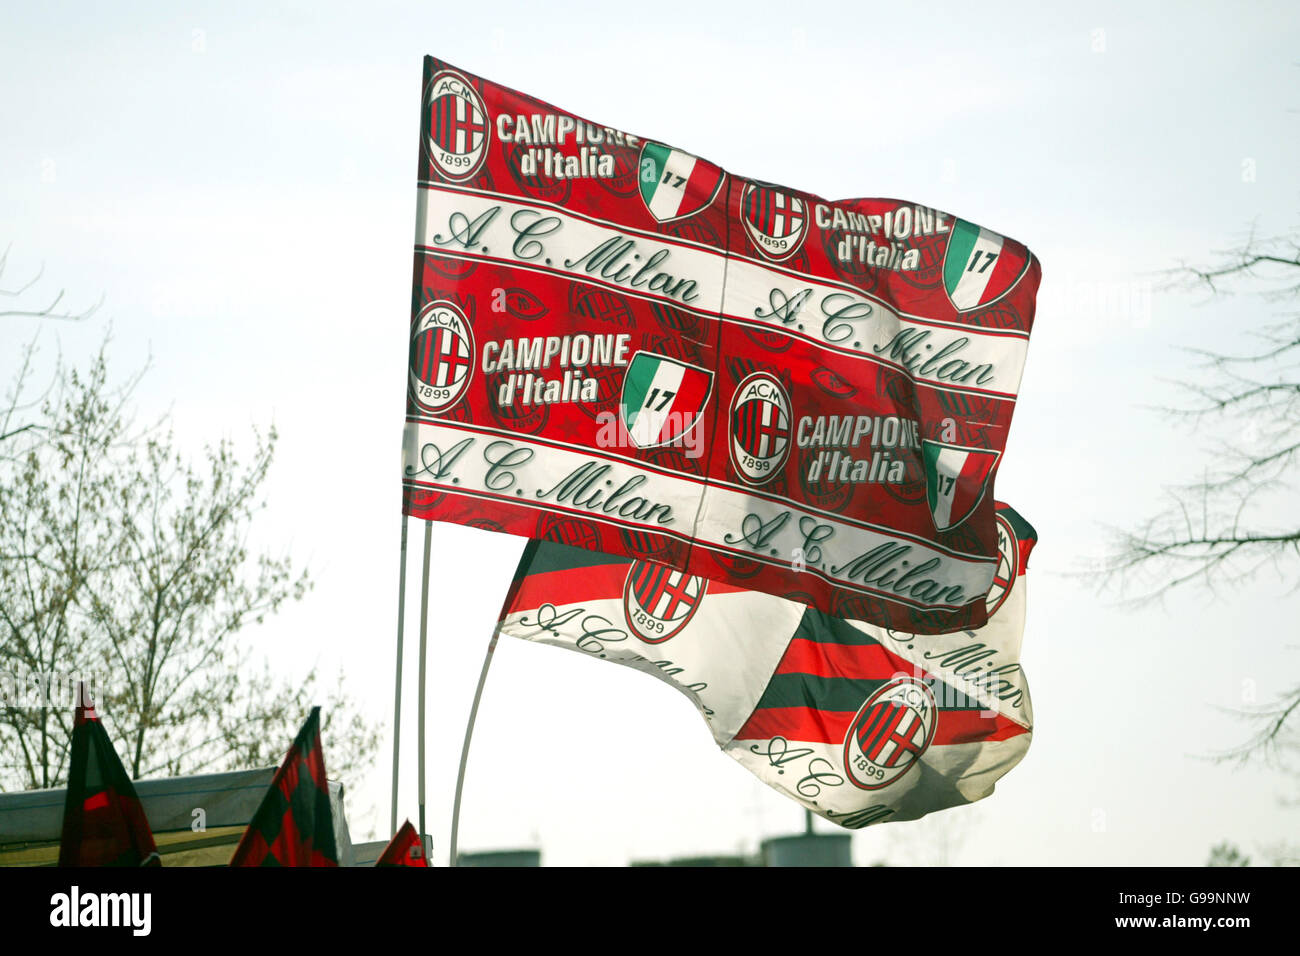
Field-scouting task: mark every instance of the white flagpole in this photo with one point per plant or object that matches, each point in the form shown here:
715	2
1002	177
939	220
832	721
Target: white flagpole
424	640
469	732
397	692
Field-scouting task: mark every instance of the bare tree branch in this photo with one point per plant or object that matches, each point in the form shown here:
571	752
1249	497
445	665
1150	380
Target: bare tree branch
1241	519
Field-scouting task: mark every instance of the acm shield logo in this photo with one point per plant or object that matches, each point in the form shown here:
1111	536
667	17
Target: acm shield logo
889	733
1004	577
776	221
457	131
659	601
760	428
442	356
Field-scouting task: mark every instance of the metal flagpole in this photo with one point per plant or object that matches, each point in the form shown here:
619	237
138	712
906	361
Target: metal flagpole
469	732
397	692
424	640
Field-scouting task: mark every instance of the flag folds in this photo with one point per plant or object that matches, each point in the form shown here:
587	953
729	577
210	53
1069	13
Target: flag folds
293	826
859	723
618	345
404	849
103	822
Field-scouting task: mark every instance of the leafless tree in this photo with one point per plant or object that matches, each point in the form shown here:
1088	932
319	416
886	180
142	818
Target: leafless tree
1242	518
49	310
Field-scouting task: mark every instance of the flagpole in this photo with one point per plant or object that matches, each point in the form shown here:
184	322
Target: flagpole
469	732
397	691
424	640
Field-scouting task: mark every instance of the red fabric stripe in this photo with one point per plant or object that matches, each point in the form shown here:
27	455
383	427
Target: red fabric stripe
829	726
695	385
1010	261
797	723
427	344
96	802
603	582
858	661
975	467
968	727
704	176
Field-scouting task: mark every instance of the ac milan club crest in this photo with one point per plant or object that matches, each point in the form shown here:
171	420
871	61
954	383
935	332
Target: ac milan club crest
1004	578
979	266
457	131
442	356
760	428
889	733
775	220
675	184
660	601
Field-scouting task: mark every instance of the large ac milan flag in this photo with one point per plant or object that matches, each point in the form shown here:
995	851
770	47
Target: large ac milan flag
293	826
103	822
859	723
618	345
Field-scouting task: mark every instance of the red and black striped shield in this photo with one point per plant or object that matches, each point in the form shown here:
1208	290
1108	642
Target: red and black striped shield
892	729
659	601
760	428
457	131
775	220
442	356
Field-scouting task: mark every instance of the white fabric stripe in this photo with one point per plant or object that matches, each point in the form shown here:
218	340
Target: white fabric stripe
731	646
972	768
750	287
715	515
765	418
460	132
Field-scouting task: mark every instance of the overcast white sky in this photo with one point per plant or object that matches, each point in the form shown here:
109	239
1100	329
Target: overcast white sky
240	186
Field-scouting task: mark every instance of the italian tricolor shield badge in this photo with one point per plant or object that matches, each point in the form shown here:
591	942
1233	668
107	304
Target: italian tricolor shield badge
662	399
980	266
955	480
676	184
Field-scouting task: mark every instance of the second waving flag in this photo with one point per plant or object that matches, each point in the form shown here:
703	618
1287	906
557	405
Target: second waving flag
859	723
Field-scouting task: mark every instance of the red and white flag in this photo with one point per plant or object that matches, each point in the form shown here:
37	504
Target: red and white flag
618	345
858	723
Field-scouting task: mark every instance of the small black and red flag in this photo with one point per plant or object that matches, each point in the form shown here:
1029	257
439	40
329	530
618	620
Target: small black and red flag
103	822
404	849
294	825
